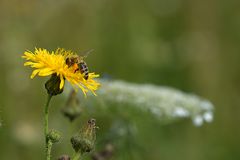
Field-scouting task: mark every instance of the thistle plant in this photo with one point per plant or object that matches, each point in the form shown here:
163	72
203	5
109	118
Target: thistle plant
84	141
164	103
54	64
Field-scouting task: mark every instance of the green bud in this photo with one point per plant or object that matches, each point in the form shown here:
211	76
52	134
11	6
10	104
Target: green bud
72	108
81	144
71	112
54	136
84	141
53	85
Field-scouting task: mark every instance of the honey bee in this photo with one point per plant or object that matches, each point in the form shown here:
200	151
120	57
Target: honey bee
78	64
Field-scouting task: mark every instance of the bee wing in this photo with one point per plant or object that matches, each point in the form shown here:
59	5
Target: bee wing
86	53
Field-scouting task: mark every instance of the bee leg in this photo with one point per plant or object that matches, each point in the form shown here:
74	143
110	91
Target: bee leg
76	70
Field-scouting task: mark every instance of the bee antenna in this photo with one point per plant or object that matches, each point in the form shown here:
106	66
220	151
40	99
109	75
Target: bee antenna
87	53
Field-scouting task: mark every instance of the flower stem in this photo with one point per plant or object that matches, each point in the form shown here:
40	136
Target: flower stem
48	144
76	156
49	148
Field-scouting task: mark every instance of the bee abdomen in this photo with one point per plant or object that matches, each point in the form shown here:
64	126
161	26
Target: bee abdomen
84	69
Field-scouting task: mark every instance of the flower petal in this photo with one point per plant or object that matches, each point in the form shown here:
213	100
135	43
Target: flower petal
34	73
45	72
62	82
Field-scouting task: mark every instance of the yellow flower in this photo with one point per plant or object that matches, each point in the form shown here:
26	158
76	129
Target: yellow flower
47	63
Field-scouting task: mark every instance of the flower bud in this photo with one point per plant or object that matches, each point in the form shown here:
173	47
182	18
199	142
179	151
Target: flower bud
53	85
85	140
54	136
72	108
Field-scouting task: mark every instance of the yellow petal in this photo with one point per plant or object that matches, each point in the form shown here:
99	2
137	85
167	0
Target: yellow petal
34	73
38	65
45	72
28	63
83	89
93	75
62	82
28	55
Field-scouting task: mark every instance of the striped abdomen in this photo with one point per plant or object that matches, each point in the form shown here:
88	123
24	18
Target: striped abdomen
84	69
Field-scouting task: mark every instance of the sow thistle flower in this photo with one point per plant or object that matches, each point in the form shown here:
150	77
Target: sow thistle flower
47	63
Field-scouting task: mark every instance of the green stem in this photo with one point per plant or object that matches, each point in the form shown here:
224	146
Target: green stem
49	148
76	156
47	142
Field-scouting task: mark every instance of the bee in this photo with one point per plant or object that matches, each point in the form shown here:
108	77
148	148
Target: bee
78	64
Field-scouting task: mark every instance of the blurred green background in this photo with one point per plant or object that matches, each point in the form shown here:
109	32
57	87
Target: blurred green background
190	45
